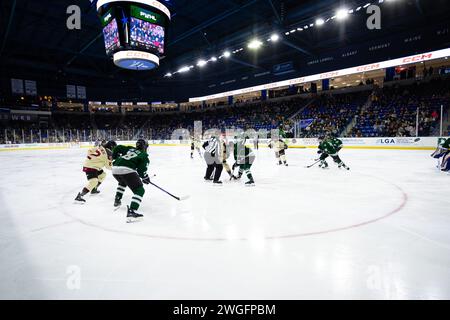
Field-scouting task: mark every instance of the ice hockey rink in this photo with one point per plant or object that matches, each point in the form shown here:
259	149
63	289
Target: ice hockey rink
378	231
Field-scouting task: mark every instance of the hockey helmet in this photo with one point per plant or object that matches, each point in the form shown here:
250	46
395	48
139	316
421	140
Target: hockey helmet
142	145
110	145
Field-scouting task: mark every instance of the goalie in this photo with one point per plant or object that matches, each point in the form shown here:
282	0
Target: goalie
443	151
97	158
330	147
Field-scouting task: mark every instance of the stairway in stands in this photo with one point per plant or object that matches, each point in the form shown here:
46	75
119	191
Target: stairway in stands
352	124
446	122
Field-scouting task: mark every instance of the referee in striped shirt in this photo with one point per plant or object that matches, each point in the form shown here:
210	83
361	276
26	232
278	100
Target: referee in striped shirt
214	164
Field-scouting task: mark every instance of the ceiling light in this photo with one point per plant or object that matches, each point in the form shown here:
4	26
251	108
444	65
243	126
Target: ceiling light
201	63
227	54
254	44
320	22
342	14
213	59
275	37
184	69
168	75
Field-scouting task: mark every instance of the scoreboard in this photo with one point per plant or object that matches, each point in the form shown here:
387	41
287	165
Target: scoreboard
134	31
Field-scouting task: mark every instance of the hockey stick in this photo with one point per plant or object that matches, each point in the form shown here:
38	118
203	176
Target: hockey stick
178	198
312	165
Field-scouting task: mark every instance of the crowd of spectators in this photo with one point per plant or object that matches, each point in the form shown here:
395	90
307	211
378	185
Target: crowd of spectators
389	111
332	113
395	111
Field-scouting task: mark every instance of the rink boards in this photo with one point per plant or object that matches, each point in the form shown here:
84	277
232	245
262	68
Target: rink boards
400	143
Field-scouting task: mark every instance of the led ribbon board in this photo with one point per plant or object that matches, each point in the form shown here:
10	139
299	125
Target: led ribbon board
333	74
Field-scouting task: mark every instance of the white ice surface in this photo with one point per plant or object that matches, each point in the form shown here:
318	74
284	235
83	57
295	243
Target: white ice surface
379	231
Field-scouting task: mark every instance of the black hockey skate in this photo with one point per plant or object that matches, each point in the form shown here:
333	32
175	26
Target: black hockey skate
95	191
79	199
217	183
133	216
323	165
250	183
117	204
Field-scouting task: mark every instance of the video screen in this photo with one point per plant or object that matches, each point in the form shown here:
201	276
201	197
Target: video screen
147	35
111	34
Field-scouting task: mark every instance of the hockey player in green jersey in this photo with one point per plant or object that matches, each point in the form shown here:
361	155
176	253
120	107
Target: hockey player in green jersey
330	146
130	166
443	151
244	158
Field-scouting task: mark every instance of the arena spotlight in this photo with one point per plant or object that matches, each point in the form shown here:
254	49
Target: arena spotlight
184	69
319	22
254	44
275	37
227	54
342	14
214	59
201	63
168	75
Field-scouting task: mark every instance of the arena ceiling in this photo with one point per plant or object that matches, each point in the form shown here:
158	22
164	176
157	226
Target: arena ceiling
35	43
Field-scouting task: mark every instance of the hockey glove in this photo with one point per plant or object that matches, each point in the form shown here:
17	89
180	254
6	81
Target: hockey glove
146	179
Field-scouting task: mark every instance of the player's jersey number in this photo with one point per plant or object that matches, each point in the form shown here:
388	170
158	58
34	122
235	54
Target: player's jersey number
130	155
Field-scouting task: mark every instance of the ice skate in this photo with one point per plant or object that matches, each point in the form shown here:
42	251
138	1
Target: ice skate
79	199
133	216
250	183
117	204
323	165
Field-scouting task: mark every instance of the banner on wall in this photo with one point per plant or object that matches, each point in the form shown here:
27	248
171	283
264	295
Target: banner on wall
4	114
71	91
81	92
30	88
17	86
